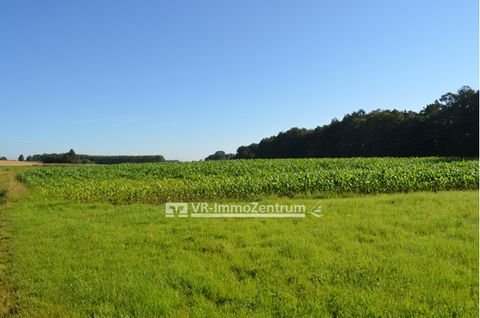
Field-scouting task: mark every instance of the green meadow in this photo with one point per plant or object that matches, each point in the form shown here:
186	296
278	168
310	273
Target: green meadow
383	252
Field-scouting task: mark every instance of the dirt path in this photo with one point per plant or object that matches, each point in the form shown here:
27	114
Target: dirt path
10	188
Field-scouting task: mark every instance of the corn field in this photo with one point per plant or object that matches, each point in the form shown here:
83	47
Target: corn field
248	179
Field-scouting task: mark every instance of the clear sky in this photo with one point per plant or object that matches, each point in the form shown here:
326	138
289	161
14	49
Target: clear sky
186	78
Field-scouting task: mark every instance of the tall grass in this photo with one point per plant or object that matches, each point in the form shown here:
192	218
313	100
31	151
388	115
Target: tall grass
402	255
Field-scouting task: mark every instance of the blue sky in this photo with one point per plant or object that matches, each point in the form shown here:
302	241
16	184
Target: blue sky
187	78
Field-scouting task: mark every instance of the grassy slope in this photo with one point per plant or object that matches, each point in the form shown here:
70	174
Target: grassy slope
402	254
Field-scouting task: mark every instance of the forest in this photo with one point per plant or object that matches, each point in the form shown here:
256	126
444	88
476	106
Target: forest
447	127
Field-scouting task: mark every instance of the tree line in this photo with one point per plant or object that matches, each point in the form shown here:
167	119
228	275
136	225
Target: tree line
72	157
447	127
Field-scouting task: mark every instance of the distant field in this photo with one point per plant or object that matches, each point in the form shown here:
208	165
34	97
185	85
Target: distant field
71	247
247	179
15	163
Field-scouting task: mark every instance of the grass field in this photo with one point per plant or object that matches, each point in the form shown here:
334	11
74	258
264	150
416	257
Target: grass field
377	255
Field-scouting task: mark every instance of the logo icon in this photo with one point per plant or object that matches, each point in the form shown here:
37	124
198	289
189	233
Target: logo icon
176	208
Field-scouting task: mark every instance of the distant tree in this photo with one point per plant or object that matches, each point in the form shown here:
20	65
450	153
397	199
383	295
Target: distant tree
246	152
220	155
72	157
3	158
29	158
21	158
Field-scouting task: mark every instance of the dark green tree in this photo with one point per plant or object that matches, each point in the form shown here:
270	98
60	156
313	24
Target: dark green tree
447	127
219	155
